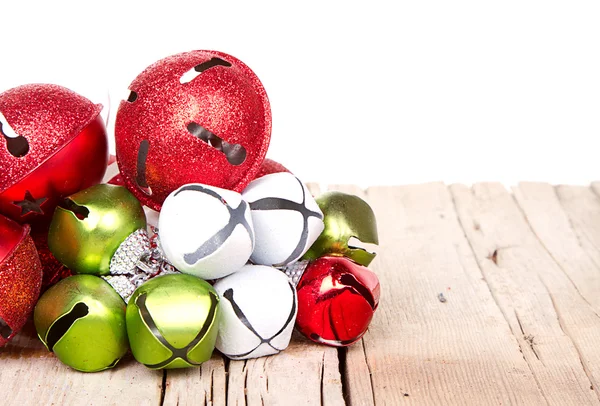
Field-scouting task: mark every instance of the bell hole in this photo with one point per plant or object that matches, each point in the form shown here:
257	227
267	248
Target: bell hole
17	145
350	281
142	157
133	96
235	153
63	324
81	212
355	243
5	330
198	69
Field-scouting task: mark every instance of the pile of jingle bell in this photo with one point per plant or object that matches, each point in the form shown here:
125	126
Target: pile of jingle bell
191	241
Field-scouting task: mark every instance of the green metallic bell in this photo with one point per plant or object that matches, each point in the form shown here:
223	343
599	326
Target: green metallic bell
346	216
81	320
87	230
172	321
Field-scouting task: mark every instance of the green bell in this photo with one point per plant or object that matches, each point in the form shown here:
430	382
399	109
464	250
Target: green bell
87	230
81	320
345	216
172	321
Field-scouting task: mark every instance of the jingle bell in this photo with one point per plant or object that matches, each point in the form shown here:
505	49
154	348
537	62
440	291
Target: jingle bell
336	301
206	231
172	321
81	320
88	229
346	216
258	310
285	216
52	144
20	277
195	117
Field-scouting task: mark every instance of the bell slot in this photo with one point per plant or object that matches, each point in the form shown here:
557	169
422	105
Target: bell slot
235	153
132	96
350	281
142	157
355	243
81	212
17	145
198	69
5	330
63	324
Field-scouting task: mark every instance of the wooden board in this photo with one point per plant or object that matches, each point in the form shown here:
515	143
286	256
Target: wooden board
489	296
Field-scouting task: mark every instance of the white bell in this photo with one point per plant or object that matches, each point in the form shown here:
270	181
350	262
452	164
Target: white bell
258	306
286	218
206	231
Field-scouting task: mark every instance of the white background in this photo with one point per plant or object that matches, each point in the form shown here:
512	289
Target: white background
456	91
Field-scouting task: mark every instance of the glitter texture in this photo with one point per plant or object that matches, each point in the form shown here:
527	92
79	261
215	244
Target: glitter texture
68	148
53	270
268	167
228	101
20	283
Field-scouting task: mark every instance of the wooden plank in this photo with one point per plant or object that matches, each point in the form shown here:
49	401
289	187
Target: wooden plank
583	208
566	237
304	374
418	348
205	385
30	375
556	328
357	374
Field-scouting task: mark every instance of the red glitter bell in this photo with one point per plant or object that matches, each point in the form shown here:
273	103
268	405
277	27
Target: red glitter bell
52	268
196	117
268	167
336	301
20	277
53	144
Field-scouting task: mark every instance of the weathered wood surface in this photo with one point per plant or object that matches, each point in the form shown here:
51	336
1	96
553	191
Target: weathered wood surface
489	296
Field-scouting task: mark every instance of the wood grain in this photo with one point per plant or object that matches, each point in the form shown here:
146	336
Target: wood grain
304	374
30	375
205	385
555	326
564	226
487	297
419	349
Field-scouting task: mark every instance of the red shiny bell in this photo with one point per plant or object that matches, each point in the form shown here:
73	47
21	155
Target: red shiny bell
52	144
20	277
336	301
196	117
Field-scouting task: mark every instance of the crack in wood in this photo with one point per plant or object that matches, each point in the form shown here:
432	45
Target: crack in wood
569	220
584	365
577	238
554	259
212	385
528	338
226	362
369	368
245	371
322	376
163	388
343	370
495	298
